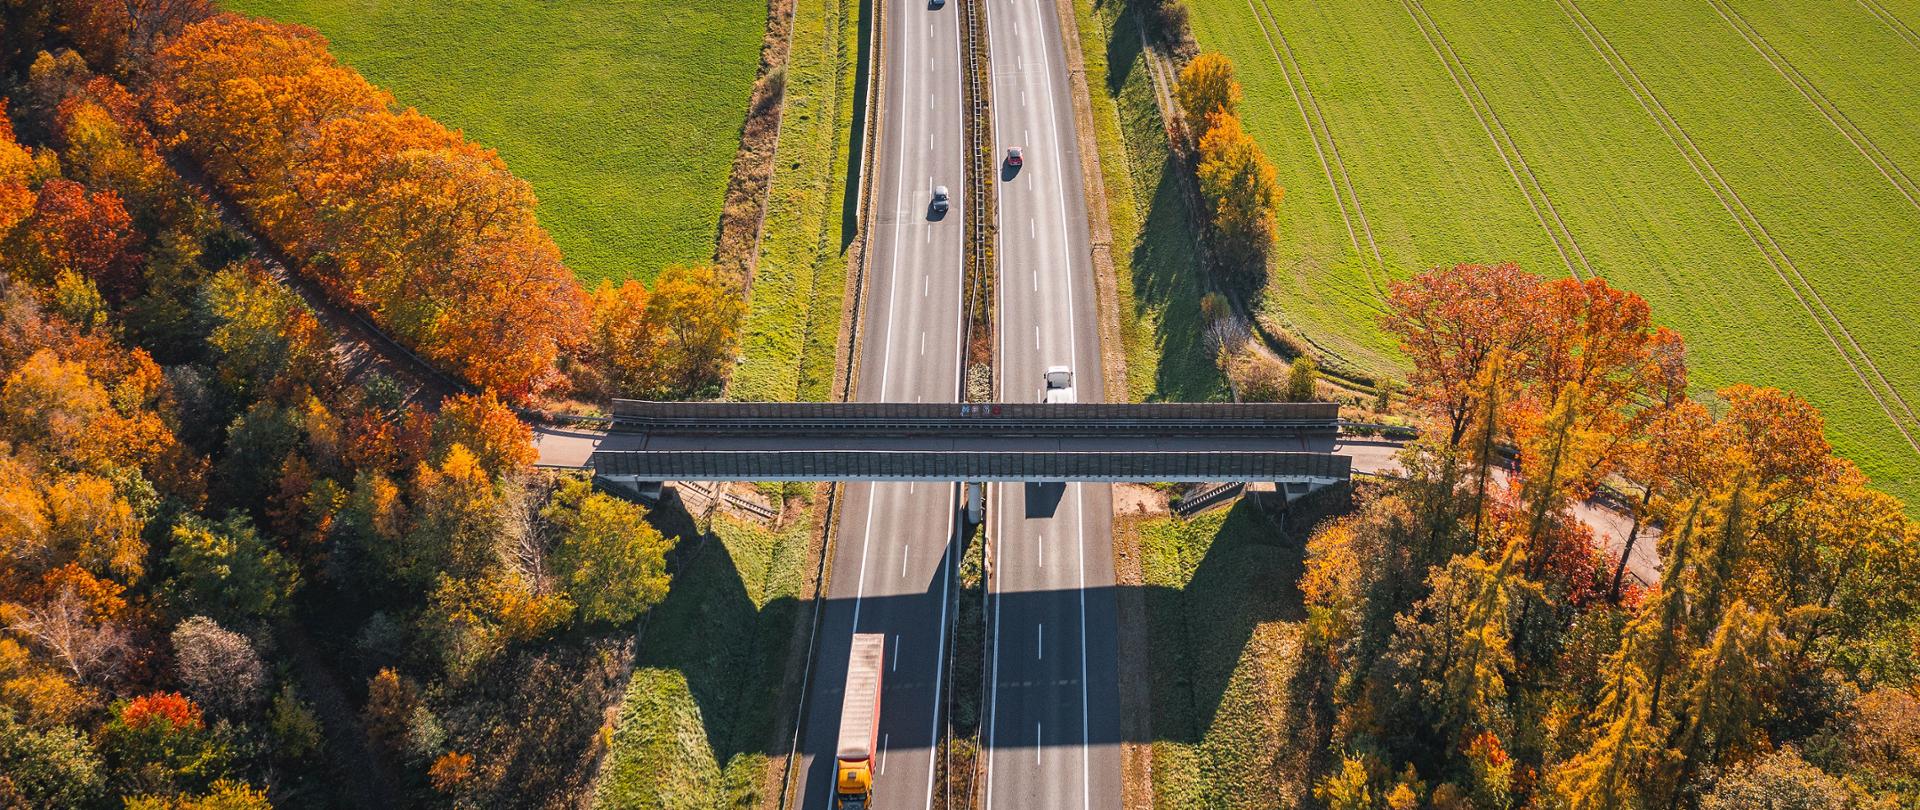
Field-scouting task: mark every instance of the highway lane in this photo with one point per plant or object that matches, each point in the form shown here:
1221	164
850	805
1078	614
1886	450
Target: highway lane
1052	732
894	540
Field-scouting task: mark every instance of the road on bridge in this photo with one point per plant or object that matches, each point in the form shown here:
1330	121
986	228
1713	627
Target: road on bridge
1052	724
898	540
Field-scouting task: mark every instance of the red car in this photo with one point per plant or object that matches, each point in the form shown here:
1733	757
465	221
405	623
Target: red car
1013	156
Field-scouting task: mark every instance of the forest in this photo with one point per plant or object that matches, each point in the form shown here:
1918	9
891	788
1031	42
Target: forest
237	567
1468	646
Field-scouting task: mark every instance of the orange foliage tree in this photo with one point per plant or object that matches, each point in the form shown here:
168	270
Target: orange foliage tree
393	213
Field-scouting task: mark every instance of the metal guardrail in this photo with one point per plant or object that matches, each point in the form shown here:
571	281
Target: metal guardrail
968	465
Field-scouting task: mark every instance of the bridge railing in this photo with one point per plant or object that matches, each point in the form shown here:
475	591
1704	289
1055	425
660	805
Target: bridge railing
998	417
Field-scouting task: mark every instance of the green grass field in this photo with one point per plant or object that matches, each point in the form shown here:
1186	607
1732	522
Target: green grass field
1747	165
625	116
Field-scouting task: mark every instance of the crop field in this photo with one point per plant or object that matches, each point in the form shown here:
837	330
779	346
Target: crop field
1752	167
625	116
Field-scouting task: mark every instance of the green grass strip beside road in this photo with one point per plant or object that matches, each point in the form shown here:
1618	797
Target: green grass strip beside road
697	719
1157	272
1225	624
793	321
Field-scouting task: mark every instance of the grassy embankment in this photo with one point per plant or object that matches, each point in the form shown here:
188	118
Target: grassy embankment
1793	234
625	117
1156	269
793	323
1224	627
696	722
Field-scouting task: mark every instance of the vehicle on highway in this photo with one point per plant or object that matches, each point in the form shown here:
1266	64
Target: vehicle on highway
859	723
1014	156
1058	387
940	200
936	4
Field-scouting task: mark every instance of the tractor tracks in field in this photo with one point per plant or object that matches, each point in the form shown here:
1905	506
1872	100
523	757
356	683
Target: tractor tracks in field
1891	21
1516	163
1836	332
1317	130
1827	109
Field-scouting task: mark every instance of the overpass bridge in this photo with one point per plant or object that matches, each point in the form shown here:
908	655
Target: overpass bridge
1291	444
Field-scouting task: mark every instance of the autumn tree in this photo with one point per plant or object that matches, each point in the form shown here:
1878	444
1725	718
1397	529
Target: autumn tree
1207	88
624	340
1302	375
1450	323
456	520
609	559
1243	191
75	230
697	313
56	405
218	666
52	767
263	333
159	743
482	423
393	213
76	627
227	571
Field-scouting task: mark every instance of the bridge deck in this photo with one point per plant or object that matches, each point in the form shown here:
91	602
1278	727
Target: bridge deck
950	442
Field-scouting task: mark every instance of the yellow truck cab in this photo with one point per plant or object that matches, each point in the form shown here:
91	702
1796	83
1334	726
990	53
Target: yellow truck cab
859	723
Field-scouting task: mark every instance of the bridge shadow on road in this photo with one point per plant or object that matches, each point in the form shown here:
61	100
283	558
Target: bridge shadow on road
1222	590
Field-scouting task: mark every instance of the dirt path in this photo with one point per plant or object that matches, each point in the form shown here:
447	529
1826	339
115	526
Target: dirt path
357	346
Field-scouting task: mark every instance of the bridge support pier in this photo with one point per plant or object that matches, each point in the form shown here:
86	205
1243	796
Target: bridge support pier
976	503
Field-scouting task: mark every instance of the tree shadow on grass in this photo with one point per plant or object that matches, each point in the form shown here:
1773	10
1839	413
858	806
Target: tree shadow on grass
1167	285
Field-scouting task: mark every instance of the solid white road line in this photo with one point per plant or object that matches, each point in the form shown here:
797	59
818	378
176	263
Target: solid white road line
993	696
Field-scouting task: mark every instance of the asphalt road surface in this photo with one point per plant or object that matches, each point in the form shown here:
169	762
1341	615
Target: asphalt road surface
895	554
1052	726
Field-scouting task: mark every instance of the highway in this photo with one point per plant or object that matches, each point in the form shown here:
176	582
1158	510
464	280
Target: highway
896	541
1052	726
